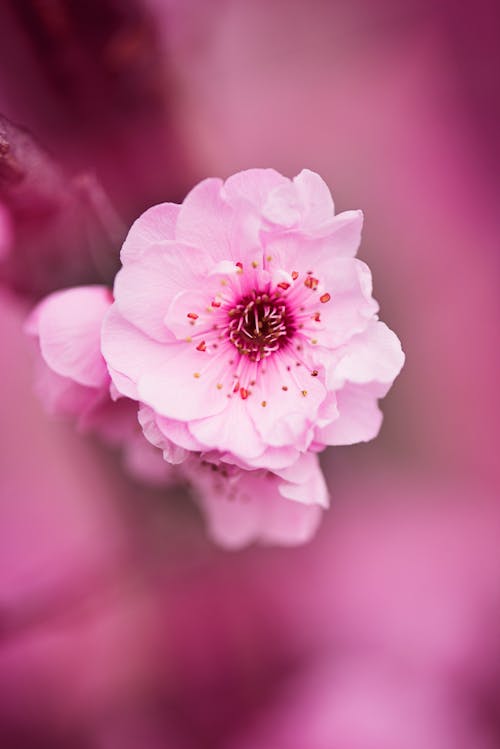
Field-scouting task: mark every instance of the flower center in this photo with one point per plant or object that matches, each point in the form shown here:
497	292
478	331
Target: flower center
260	324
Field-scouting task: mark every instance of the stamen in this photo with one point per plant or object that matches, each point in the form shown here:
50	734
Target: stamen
192	315
202	346
311	283
260	324
295	275
325	298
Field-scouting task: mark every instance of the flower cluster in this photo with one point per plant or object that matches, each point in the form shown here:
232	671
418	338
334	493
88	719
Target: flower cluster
243	332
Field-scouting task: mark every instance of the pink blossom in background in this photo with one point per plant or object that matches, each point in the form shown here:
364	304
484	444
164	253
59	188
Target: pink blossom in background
243	320
73	380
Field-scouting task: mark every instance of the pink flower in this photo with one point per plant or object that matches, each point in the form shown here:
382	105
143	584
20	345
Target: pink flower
243	506
244	321
73	380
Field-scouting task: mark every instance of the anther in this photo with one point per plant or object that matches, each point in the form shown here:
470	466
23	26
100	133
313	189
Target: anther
202	346
325	298
311	283
295	275
244	393
192	315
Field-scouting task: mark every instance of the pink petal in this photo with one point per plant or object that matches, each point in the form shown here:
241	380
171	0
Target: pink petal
359	418
351	307
249	507
170	451
230	430
178	432
304	481
155	225
68	324
252	186
143	290
374	356
207	221
129	353
287	414
182	384
315	198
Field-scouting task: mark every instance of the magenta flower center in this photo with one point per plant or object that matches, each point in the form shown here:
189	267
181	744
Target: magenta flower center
260	324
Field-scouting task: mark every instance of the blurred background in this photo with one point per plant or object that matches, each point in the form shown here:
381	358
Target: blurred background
121	626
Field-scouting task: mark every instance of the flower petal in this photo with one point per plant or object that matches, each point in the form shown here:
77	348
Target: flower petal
68	325
207	221
163	383
143	290
374	356
291	398
230	430
128	352
249	507
304	481
155	225
359	418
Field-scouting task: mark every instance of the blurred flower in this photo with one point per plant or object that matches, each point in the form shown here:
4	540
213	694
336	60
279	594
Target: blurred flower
245	323
73	380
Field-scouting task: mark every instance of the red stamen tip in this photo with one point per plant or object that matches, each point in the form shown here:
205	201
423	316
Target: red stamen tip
192	315
325	298
284	285
244	393
311	283
202	346
295	275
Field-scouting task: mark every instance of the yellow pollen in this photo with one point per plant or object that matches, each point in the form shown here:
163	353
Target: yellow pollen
255	264
314	341
196	374
223	282
304	393
219	386
269	258
188	339
263	404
